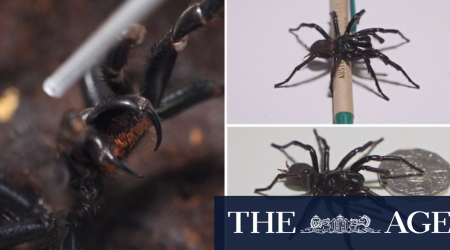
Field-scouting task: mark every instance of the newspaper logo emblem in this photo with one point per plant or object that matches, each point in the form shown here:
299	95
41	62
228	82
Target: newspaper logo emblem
340	225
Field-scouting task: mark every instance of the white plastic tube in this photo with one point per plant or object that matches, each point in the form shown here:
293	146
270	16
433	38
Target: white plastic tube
96	46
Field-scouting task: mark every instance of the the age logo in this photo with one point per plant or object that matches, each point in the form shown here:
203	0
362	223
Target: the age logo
340	225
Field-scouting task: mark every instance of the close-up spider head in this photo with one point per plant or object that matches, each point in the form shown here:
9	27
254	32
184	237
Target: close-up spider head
68	167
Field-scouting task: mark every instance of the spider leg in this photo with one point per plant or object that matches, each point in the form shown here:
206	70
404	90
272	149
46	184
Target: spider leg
372	73
384	172
385	59
164	53
13	199
335	24
336	62
369	192
188	95
21	232
117	58
352	153
305	147
357	166
309	181
326	152
361	41
352	22
373	30
297	69
95	87
314	26
70	242
380	39
279	176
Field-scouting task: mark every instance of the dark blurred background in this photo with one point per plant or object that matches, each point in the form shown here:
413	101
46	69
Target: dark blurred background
172	207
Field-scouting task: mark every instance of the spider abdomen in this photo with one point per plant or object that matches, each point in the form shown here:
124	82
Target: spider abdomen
301	169
322	47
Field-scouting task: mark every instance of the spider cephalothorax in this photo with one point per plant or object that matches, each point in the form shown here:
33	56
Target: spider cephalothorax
348	47
339	181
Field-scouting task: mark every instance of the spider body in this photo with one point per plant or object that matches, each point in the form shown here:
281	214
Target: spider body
348	47
345	180
340	181
92	144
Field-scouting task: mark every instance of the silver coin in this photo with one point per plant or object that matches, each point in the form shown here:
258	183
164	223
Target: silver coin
405	181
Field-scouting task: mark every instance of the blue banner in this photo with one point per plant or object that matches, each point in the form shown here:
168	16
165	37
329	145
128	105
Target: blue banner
332	223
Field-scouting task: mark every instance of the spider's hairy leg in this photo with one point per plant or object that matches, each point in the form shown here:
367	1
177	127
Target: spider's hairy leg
337	33
70	242
64	237
117	58
361	41
336	62
386	60
326	151
384	172
357	166
164	53
309	148
352	153
369	192
95	87
352	22
372	31
188	95
380	39
19	232
372	73
314	26
92	88
124	118
279	176
13	199
310	59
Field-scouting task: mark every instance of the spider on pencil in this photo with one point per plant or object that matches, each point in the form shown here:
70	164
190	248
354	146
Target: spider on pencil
348	47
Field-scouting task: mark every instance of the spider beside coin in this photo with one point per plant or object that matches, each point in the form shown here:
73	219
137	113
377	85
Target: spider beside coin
405	172
340	181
